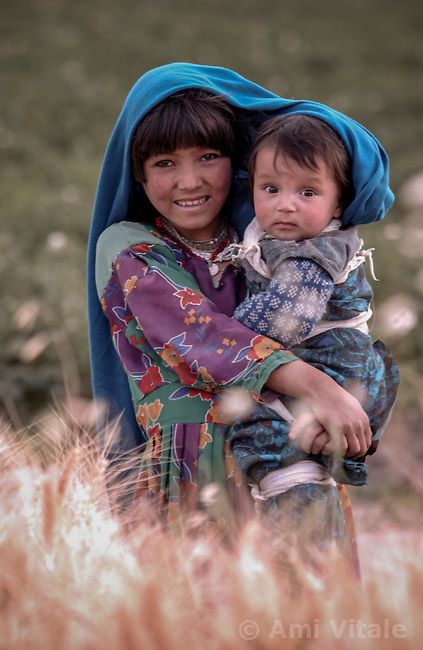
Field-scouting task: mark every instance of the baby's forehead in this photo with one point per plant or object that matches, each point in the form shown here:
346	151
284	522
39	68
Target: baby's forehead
274	160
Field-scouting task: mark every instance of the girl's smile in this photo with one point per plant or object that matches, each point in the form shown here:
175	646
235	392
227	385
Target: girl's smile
189	187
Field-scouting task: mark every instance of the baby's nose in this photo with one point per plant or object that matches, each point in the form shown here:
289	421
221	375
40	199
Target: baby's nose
286	202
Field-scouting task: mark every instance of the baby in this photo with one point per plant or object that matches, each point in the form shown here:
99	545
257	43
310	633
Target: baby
308	290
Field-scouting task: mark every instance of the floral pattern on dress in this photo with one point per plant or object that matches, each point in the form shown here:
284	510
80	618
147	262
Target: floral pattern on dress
179	351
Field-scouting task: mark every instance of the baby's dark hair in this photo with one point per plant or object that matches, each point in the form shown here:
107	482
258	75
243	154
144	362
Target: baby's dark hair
304	139
189	118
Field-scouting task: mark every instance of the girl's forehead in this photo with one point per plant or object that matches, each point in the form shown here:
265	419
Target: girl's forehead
185	152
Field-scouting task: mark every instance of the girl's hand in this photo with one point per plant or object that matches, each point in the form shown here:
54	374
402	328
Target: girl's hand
313	438
343	419
337	411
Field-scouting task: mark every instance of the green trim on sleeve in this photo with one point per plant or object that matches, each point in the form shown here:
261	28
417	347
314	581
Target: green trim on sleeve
263	370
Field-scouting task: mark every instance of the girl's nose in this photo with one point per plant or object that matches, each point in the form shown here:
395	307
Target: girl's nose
189	178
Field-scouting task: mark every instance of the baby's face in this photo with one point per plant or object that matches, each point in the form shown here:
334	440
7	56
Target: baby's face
293	202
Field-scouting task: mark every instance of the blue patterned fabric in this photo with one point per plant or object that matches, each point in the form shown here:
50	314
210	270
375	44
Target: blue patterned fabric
293	302
309	517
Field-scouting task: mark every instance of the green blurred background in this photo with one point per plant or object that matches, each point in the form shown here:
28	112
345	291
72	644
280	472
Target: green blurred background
66	69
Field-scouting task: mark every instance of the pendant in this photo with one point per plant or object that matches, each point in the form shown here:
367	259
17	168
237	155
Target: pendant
213	268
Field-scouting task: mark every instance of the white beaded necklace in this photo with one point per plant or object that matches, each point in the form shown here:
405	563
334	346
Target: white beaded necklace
207	249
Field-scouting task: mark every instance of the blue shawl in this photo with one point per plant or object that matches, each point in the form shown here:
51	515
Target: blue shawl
370	175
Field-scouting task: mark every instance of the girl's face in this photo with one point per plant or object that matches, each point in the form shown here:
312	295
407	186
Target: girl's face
293	202
189	187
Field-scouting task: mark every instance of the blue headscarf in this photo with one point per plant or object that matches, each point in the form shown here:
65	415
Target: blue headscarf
370	177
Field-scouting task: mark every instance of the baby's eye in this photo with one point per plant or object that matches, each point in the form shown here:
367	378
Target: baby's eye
270	189
308	192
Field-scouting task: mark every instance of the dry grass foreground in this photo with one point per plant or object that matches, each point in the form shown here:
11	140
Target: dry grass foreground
74	577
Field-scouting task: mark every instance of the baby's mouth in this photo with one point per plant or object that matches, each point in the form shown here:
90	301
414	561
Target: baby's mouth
285	224
192	203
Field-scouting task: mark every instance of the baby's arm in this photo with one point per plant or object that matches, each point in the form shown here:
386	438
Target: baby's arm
294	301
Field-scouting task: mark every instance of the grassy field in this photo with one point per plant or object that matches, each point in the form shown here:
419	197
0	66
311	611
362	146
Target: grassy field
75	578
66	68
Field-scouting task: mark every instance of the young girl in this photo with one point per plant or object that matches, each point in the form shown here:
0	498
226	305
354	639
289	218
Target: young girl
309	290
163	343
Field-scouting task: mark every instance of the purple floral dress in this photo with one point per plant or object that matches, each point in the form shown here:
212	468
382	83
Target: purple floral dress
181	349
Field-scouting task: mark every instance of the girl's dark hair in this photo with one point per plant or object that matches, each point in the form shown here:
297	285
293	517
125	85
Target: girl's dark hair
189	118
304	139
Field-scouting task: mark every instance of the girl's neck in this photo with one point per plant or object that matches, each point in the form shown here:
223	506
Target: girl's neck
220	235
216	252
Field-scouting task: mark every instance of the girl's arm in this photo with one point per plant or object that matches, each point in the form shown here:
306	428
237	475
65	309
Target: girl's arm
209	350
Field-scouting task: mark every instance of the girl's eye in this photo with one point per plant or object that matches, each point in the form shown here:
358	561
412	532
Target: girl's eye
211	156
163	163
270	189
308	192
